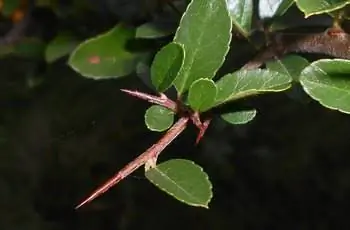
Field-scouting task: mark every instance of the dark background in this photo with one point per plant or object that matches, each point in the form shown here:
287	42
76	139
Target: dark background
62	137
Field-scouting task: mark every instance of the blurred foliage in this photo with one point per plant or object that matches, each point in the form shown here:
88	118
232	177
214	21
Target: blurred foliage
61	135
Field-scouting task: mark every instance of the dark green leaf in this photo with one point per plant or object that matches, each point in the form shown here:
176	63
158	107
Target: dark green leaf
291	65
328	82
30	48
202	94
166	65
158	118
245	83
205	32
59	47
184	180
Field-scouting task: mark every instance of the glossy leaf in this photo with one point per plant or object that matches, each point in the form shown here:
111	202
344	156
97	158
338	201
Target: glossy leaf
273	8
59	47
106	55
245	83
241	12
184	180
328	82
239	117
202	94
205	32
312	7
166	66
291	65
158	118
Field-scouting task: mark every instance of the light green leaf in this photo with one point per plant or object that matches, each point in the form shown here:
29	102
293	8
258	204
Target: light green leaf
105	56
202	94
273	8
205	32
166	66
158	118
60	46
241	12
239	117
312	7
184	180
291	65
328	82
245	83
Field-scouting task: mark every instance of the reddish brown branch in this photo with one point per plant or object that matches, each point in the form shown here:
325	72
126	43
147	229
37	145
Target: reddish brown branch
150	154
333	42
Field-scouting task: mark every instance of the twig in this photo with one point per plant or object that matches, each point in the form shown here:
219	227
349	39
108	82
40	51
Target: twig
150	154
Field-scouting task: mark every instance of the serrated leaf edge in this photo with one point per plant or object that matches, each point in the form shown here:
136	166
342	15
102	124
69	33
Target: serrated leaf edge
307	90
227	46
171	194
322	11
242	123
159	130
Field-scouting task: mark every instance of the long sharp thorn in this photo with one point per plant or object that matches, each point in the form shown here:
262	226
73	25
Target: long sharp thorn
162	100
150	153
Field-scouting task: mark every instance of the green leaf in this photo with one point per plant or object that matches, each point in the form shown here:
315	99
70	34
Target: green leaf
105	56
312	7
241	12
9	6
205	32
60	46
291	65
239	117
245	83
184	180
158	118
273	8
166	66
328	82
202	94
150	30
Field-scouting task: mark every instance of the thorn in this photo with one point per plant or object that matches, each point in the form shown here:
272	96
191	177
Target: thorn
114	180
202	130
162	100
150	154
